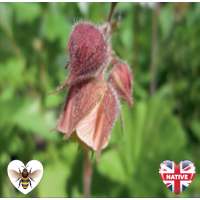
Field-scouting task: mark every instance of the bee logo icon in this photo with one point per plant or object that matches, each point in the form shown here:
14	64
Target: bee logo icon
25	178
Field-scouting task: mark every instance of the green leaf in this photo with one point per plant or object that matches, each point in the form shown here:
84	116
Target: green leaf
111	166
61	28
94	14
53	182
27	115
12	73
27	11
6	14
165	18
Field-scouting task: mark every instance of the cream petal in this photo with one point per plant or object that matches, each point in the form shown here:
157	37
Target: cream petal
89	129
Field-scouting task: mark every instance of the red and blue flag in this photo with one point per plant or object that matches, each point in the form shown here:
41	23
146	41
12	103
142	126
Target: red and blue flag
177	178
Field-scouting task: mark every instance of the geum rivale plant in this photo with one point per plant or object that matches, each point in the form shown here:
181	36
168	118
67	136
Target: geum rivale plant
92	104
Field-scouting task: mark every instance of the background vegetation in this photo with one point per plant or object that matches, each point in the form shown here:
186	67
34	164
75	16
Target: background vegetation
163	124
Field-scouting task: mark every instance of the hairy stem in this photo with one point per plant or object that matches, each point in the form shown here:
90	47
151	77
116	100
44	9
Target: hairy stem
87	175
113	5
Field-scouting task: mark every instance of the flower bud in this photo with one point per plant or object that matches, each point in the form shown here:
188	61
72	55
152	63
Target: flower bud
121	79
89	114
88	51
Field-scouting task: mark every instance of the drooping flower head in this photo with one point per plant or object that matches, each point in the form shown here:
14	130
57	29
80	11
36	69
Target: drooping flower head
121	79
88	51
92	104
90	112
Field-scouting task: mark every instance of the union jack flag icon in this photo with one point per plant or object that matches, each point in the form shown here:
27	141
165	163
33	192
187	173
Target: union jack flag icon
177	178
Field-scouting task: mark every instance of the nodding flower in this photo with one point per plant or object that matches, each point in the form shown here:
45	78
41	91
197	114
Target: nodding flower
88	51
121	79
89	114
92	104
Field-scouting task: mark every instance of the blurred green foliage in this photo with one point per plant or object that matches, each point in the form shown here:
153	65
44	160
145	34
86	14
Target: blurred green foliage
33	39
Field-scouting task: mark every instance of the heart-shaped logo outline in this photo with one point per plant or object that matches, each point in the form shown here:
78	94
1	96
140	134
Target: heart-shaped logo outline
16	166
177	177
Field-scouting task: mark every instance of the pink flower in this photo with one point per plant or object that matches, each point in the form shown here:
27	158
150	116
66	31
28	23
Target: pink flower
121	79
90	112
